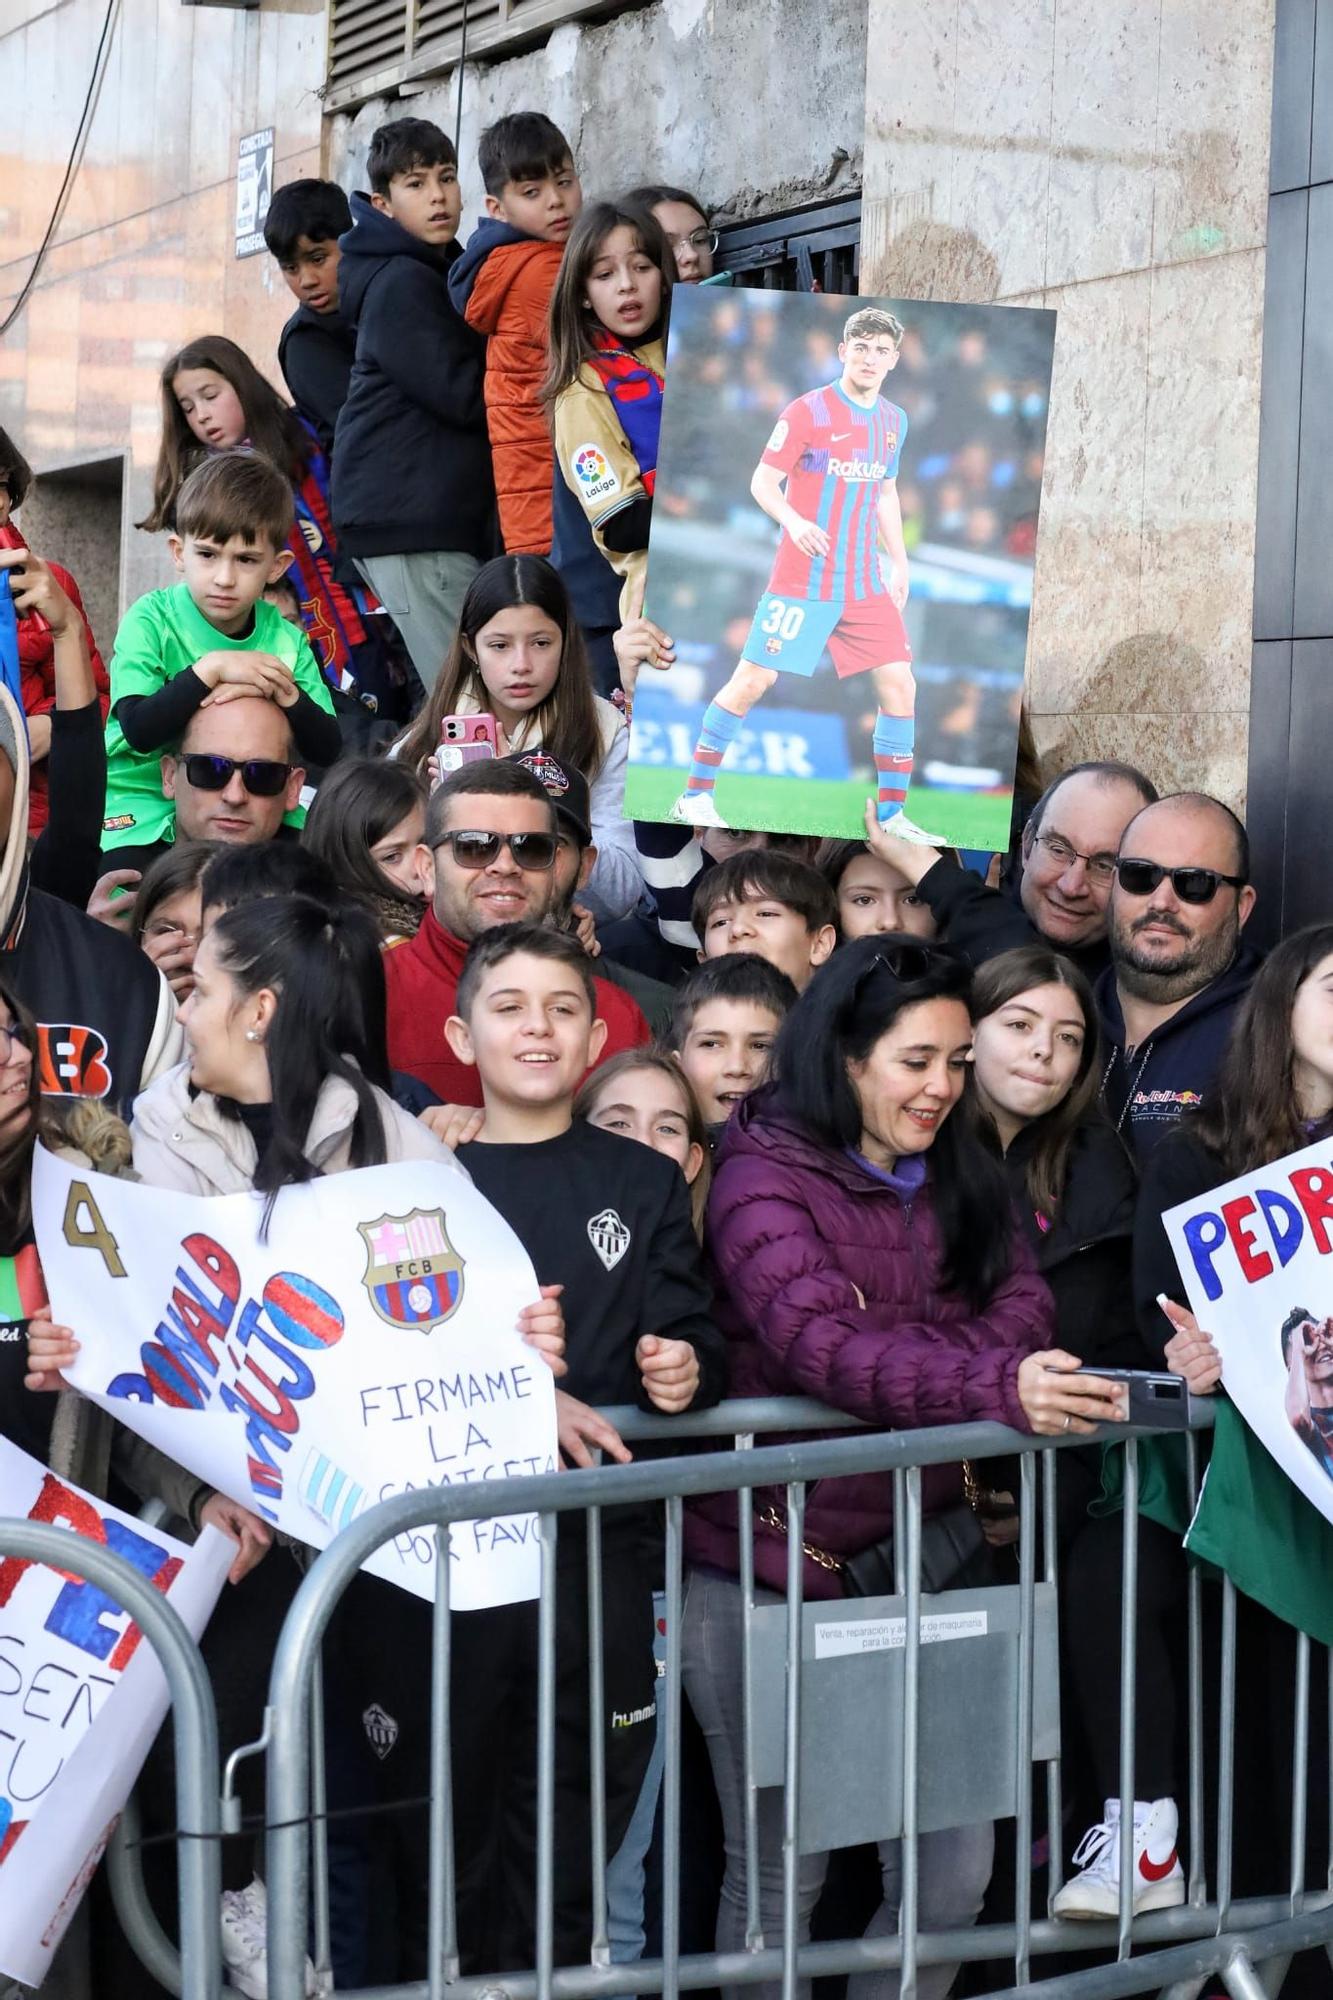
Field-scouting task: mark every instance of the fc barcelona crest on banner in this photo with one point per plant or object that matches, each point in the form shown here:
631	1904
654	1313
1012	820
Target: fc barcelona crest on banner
413	1273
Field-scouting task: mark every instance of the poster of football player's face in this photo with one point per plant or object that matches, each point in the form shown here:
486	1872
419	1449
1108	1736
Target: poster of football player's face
844	531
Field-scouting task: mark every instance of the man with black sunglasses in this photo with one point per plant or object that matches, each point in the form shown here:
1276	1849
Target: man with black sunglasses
1061	888
236	775
488	857
1179	967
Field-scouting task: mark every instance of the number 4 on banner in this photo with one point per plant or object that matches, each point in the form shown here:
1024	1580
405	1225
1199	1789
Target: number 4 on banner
96	1236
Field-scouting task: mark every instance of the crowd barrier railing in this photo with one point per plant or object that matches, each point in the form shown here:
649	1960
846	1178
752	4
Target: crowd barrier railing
196	1970
1174	1950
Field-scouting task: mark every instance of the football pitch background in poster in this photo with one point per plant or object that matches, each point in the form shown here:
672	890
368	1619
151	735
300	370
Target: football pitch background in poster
962	416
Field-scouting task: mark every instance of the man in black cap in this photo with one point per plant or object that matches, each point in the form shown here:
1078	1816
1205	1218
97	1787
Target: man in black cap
567	790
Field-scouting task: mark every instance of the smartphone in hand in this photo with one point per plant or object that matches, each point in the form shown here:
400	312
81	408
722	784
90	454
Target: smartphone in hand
466	739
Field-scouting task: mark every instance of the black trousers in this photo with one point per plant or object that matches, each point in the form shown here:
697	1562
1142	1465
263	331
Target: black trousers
493	1693
1091	1582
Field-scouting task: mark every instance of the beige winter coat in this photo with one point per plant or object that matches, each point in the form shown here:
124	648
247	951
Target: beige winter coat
186	1143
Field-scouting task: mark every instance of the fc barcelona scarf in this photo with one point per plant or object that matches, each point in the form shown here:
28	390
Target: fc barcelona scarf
331	612
636	391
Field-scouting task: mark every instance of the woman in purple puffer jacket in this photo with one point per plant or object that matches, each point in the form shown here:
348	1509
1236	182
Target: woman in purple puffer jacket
865	1252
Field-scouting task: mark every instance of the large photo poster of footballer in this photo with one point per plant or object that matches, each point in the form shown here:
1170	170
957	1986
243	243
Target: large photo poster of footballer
843	539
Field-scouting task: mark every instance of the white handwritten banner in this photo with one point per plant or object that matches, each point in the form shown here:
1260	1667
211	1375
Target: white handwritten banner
80	1700
367	1348
1256	1257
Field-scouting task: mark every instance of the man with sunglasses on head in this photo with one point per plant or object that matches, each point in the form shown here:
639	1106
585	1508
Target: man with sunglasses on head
1059	897
1179	967
488	857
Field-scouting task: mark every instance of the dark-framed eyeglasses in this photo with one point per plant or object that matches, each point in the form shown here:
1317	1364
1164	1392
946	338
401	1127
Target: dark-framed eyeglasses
474	848
1100	867
1191	885
10	1039
696	239
263	777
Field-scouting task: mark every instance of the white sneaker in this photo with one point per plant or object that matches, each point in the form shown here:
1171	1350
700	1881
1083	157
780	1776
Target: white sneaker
245	1942
907	829
1159	1880
244	1939
696	809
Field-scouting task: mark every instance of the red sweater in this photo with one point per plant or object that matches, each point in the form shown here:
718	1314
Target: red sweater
37	649
421	980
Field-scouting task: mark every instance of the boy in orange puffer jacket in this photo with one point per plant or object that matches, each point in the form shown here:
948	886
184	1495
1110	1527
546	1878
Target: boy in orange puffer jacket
502	285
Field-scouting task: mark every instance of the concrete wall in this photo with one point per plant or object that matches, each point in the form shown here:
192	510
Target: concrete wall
144	257
1108	158
758	104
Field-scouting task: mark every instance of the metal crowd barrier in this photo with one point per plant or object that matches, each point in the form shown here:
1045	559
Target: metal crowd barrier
1174	1950
196	1971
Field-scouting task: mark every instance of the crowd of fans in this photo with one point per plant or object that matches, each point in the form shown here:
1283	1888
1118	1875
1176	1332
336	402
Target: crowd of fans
334	869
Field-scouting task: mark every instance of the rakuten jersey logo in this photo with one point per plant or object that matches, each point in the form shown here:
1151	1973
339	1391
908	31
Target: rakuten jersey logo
866	469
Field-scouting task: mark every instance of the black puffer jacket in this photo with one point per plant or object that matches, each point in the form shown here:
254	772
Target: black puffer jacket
411	458
1084	1252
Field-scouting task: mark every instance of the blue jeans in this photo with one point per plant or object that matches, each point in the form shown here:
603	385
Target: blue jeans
954	1865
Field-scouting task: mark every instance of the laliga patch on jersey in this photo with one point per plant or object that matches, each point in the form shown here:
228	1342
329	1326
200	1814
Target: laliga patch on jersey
608	1237
545	770
779	437
596	479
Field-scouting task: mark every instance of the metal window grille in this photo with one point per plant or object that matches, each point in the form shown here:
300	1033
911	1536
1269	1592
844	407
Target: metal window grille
783	252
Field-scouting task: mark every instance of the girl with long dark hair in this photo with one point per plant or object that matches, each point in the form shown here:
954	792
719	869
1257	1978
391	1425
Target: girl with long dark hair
1035	1061
284	1081
519	656
1273	1096
604	384
215	399
366	823
865	1253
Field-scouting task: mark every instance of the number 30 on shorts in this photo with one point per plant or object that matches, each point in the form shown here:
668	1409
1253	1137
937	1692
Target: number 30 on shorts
783	620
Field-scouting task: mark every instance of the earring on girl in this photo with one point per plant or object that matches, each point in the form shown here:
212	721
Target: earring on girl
253	1035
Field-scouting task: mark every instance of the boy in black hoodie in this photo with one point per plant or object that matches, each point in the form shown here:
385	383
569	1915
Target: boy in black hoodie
317	346
608	1219
413	497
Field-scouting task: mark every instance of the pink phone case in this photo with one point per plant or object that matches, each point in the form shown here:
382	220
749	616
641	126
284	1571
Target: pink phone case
465	739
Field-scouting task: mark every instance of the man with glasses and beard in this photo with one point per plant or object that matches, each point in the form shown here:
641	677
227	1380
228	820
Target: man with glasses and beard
1307	1353
488	857
1179	968
1060	894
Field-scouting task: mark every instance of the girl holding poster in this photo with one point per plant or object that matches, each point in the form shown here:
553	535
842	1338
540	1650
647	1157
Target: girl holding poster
604	385
1274	1096
285	1081
1037	1061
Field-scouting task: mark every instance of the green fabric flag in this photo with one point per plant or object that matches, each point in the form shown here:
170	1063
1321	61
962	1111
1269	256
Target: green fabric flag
1251	1522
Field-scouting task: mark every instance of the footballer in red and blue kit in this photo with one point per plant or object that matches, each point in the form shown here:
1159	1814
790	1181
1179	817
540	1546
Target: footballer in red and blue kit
828	477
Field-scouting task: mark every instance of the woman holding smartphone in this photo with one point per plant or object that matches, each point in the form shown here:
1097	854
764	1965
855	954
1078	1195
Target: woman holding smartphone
519	662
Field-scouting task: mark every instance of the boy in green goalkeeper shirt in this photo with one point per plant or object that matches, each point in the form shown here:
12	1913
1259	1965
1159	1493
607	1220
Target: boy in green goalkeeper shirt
208	640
